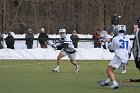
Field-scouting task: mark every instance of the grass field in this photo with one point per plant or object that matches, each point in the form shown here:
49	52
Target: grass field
28	76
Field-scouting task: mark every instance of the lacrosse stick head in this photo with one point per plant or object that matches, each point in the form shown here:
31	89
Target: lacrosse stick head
103	35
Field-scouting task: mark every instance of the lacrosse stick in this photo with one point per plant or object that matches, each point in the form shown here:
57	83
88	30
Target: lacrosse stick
131	80
103	35
125	80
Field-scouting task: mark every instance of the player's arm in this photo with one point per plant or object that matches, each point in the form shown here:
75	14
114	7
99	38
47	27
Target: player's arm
111	45
59	46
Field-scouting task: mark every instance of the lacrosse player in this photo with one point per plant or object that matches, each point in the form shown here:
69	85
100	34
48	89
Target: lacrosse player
121	45
67	48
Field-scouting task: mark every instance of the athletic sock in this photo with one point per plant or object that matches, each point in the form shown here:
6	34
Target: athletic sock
77	65
114	82
107	80
57	67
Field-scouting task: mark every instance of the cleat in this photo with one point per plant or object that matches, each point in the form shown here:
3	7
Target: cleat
77	69
114	86
55	70
103	83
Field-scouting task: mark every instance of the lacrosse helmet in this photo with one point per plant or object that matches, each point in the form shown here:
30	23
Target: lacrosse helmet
62	32
122	28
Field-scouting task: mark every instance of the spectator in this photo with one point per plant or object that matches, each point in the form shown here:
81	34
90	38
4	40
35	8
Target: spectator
29	37
1	39
115	21
43	38
74	37
136	48
96	38
10	41
137	25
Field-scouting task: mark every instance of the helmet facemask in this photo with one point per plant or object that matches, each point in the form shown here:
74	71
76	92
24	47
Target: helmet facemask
122	29
62	33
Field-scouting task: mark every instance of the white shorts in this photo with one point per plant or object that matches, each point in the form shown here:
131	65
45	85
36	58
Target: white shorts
115	62
72	56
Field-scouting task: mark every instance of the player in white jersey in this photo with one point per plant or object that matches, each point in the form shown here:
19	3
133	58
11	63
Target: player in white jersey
67	48
121	45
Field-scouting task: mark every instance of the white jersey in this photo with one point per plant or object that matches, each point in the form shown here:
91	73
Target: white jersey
68	40
122	46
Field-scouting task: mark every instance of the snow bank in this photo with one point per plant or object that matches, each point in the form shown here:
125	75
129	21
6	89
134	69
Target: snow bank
51	54
85	50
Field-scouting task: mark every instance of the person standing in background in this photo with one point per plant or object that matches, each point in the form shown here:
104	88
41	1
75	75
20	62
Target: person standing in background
96	38
1	40
10	41
74	37
115	21
29	37
43	38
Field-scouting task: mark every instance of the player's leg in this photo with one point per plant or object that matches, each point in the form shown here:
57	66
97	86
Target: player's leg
61	55
106	82
114	64
116	30
77	67
41	45
123	68
111	75
73	61
112	30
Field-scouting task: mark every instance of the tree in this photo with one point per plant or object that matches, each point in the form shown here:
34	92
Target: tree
83	15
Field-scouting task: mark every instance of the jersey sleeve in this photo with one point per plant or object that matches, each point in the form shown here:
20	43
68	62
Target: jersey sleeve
113	44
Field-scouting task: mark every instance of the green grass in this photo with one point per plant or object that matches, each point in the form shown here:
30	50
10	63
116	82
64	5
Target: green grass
28	76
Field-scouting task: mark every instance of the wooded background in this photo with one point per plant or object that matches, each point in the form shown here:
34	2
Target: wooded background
83	15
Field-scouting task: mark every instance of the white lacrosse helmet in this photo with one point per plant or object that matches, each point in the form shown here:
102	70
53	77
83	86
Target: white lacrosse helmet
62	32
122	28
